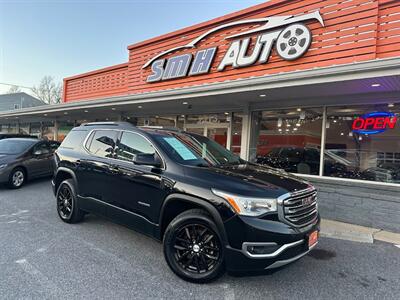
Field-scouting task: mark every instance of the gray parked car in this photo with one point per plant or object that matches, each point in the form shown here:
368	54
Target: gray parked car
25	158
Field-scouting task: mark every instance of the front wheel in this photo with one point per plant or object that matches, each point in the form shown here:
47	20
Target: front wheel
67	206
193	248
17	178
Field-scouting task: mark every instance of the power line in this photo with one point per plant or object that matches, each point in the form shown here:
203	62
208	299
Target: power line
21	86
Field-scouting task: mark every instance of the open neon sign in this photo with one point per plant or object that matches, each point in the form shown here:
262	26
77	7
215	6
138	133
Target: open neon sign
373	123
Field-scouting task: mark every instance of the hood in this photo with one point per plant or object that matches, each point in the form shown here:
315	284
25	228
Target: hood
6	158
254	180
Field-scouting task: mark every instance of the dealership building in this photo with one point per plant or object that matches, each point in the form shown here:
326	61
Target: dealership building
311	87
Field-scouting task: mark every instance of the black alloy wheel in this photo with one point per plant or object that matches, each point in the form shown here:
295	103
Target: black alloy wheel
67	207
197	248
193	248
65	202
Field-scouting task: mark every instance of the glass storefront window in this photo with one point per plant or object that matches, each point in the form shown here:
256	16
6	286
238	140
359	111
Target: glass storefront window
236	141
361	143
214	126
4	128
64	127
36	129
12	128
48	131
287	139
24	128
164	121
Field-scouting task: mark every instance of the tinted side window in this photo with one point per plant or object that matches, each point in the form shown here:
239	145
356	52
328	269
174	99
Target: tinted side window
103	143
132	144
54	145
74	139
43	148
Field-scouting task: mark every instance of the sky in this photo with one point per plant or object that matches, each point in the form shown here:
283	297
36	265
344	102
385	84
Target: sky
64	38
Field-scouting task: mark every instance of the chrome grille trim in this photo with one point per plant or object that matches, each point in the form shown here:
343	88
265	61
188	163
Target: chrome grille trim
299	208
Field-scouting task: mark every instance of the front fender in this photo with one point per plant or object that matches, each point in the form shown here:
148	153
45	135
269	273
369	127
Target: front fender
201	203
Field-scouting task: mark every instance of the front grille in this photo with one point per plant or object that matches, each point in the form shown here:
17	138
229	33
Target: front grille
301	208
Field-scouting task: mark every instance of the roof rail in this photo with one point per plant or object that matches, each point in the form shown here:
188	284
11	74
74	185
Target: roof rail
107	124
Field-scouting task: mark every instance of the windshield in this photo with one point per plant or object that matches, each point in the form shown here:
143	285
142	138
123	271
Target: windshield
9	146
196	150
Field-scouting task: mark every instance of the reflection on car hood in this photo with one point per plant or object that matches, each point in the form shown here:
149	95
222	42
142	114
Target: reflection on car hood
256	180
6	158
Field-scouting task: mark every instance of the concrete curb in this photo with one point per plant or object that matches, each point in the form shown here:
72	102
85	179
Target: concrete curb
356	233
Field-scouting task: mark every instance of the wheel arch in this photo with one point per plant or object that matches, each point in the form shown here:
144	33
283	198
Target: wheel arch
24	169
175	204
63	174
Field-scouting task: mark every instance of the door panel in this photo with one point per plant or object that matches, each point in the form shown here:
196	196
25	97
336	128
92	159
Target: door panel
138	188
40	162
94	173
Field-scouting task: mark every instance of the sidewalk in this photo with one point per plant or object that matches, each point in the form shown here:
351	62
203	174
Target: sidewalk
345	231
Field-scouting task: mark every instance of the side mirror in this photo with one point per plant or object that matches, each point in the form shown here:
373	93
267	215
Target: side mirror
146	159
37	152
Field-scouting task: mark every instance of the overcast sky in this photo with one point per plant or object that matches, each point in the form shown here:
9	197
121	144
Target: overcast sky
64	38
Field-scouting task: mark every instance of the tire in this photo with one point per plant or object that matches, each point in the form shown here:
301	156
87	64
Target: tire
193	247
293	41
67	204
17	178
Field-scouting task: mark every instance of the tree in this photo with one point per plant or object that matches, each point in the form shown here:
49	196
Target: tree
14	89
48	91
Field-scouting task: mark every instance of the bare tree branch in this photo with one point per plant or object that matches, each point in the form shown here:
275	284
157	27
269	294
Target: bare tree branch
14	89
48	91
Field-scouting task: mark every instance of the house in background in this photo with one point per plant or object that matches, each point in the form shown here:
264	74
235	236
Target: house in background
14	102
18	101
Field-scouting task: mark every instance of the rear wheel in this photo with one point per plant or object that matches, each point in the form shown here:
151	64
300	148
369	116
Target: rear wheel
193	248
17	178
67	207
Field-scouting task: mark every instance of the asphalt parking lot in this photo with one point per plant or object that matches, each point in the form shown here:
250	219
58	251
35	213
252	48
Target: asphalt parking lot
44	258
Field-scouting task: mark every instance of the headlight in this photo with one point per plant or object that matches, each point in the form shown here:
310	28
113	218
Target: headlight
3	166
248	206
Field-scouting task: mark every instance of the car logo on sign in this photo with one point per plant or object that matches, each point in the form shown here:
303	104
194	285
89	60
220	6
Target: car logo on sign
286	34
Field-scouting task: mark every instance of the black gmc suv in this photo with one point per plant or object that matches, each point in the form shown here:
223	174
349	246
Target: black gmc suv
212	210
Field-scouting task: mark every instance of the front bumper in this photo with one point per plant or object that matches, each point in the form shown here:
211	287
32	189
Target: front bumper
288	243
5	174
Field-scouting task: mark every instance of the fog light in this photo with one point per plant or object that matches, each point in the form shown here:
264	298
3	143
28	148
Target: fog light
265	249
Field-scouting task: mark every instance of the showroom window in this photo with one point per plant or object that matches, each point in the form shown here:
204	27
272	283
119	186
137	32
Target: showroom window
236	142
287	139
162	121
362	142
213	126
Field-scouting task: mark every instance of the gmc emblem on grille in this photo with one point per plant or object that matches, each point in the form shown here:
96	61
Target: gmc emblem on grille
307	201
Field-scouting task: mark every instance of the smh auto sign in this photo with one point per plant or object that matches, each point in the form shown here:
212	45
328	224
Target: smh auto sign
288	34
